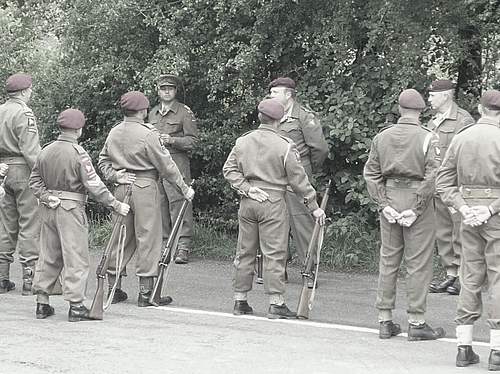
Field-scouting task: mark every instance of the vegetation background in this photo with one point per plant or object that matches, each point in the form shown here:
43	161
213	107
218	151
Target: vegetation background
350	58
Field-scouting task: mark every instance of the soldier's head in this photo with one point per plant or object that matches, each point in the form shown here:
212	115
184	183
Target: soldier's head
19	85
71	121
270	111
441	94
411	103
167	86
283	90
134	104
489	105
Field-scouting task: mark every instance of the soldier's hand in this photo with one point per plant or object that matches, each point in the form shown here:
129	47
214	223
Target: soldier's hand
123	209
391	214
408	217
482	214
320	216
2	192
165	138
54	202
189	195
469	216
124	177
4	168
256	193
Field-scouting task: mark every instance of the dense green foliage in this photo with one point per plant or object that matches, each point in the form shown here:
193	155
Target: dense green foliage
351	58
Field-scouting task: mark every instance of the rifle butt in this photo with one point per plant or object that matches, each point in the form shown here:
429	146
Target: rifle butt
155	297
303	307
97	309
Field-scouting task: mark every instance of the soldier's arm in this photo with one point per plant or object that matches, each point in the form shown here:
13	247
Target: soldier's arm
427	187
27	132
105	165
233	174
297	178
93	184
315	140
375	181
190	138
37	185
163	162
447	181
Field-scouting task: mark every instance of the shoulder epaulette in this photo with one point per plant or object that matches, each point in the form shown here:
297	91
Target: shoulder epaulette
187	108
288	140
386	127
79	149
246	133
307	108
149	126
465	128
116	124
426	128
47	144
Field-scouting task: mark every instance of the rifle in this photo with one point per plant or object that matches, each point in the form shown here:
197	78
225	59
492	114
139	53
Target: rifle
97	308
168	255
307	294
259	264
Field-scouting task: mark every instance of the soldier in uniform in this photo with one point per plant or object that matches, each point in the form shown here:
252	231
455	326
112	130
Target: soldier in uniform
178	131
449	119
469	181
303	127
62	176
260	167
19	148
134	147
400	174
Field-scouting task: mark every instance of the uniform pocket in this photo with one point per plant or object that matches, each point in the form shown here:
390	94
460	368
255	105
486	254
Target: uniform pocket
143	183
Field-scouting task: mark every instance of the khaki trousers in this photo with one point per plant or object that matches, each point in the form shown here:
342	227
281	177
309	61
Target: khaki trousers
143	228
19	214
63	248
480	262
447	235
415	244
265	226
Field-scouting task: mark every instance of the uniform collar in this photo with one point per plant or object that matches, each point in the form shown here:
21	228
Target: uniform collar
133	119
451	113
17	100
409	121
67	138
292	113
487	121
174	107
263	126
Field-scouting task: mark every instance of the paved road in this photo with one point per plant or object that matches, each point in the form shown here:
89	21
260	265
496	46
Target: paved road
197	334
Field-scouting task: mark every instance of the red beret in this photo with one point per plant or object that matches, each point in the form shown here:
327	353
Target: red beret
71	119
18	82
491	99
134	101
441	85
282	82
271	108
411	99
168	80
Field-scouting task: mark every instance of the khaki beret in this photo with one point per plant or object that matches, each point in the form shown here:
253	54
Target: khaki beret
168	80
71	119
271	108
491	99
411	99
18	82
440	85
282	82
134	101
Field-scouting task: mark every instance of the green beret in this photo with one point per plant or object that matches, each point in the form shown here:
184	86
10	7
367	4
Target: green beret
491	99
168	80
441	85
271	108
282	82
134	101
411	99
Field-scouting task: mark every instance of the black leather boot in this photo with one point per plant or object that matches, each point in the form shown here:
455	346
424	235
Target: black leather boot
439	287
494	360
43	311
424	332
466	356
6	286
388	329
241	307
78	313
143	300
119	296
454	289
280	312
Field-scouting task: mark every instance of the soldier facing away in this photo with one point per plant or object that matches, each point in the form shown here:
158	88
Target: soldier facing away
448	120
260	167
179	133
400	174
61	178
133	148
469	181
19	148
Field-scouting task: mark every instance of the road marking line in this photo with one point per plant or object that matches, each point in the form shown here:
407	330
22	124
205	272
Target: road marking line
299	322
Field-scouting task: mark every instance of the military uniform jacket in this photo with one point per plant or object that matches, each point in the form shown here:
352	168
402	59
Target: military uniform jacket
473	159
180	123
302	126
18	131
448	126
263	155
404	150
64	165
135	146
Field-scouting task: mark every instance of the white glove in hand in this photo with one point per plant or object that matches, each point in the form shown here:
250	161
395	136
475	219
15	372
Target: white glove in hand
391	214
481	215
256	193
408	217
54	202
4	168
124	177
319	216
123	209
189	195
2	192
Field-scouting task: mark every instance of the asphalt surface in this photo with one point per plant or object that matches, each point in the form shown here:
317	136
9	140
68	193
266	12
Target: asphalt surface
198	333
